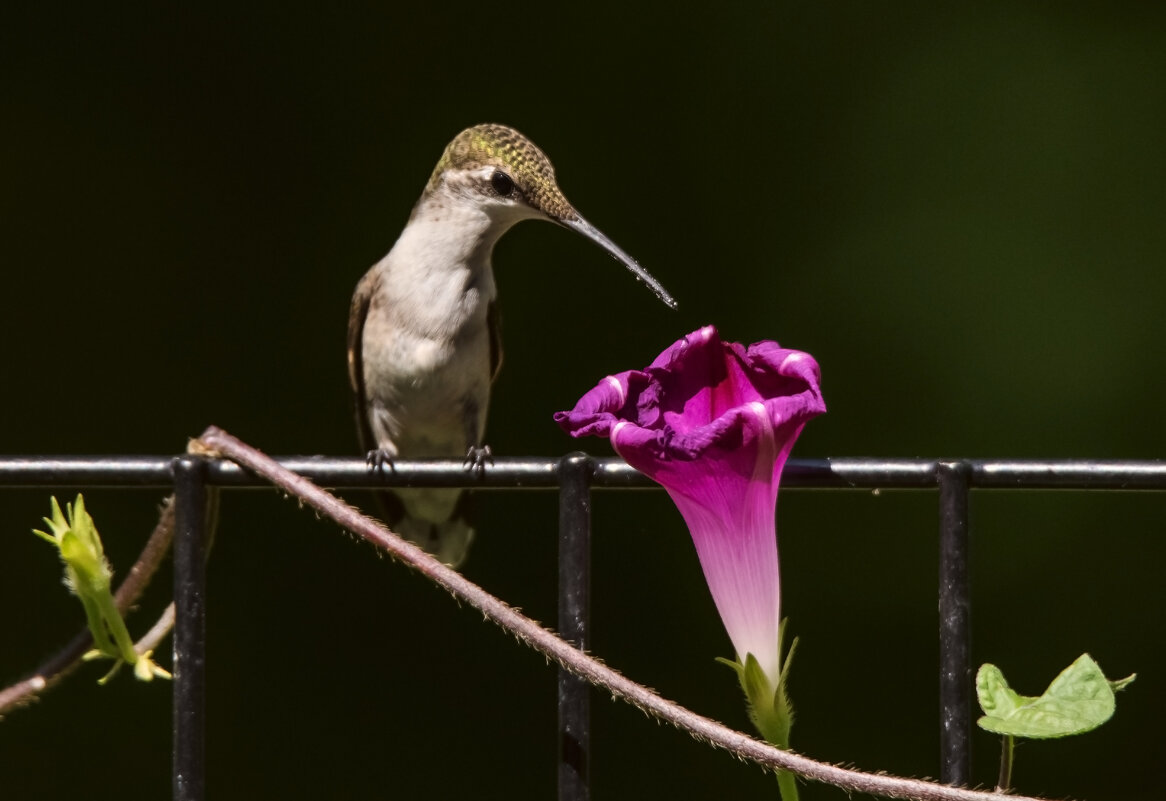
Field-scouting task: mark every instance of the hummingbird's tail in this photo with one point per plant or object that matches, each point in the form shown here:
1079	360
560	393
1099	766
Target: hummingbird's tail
442	529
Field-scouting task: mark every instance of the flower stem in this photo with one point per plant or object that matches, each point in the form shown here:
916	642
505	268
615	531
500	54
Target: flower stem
787	785
122	646
1007	747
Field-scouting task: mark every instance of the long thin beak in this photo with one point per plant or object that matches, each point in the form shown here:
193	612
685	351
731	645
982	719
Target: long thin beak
595	235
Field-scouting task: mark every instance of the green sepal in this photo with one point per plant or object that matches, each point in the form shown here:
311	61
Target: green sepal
789	655
733	663
1078	700
769	706
755	683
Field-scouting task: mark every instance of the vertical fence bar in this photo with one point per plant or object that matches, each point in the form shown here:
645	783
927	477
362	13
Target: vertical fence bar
575	471
955	666
189	629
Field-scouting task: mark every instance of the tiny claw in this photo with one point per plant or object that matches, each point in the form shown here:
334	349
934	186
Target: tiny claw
378	458
476	459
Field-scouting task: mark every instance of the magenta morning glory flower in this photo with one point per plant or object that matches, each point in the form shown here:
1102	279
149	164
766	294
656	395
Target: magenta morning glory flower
714	422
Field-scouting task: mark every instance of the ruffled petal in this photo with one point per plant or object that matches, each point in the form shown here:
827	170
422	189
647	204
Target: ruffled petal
714	423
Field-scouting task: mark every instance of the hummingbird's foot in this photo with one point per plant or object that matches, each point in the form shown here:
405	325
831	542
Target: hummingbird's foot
378	458
476	459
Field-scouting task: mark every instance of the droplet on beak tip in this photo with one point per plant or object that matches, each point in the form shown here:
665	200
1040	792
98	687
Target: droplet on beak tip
588	230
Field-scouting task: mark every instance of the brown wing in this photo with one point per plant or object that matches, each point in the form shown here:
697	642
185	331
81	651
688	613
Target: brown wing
357	314
494	324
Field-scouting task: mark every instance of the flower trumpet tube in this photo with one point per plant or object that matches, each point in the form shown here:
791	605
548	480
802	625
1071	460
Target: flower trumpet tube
713	422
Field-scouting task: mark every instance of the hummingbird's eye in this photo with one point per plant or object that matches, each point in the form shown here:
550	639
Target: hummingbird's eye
502	183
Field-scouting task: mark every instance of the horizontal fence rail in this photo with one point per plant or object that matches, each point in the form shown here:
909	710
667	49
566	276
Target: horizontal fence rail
574	476
509	473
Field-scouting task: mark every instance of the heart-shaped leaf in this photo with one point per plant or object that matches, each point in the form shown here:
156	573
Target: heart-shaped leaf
1078	700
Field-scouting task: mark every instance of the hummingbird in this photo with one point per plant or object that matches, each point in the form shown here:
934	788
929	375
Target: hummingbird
424	344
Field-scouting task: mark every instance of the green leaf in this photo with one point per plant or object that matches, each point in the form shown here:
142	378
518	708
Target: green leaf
1079	700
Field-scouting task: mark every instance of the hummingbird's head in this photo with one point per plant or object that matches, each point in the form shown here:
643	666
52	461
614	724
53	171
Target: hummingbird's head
503	173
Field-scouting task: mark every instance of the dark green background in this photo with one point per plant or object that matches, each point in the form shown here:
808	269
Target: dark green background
959	212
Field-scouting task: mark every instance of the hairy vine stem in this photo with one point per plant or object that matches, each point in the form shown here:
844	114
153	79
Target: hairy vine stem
219	444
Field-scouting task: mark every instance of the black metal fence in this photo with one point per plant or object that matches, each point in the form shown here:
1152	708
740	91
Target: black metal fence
574	476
